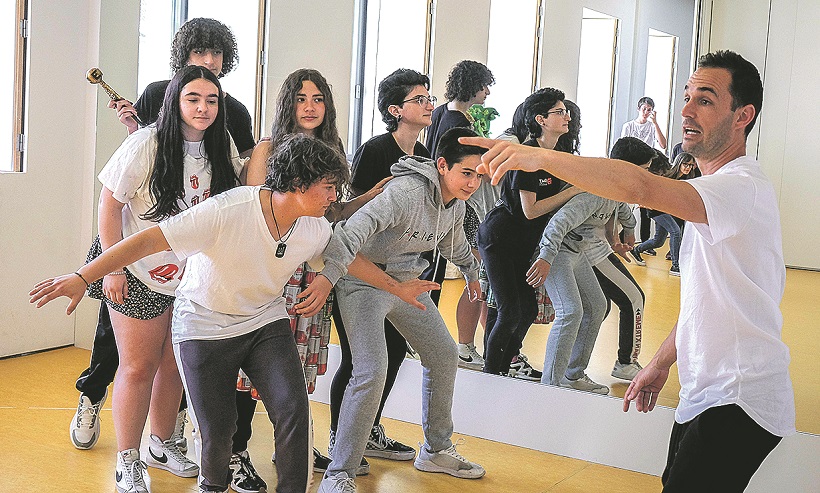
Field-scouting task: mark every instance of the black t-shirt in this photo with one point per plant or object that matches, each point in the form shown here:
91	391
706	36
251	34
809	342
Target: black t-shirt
443	120
374	158
237	118
540	182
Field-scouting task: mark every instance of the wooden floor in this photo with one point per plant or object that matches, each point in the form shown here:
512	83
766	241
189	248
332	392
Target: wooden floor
38	399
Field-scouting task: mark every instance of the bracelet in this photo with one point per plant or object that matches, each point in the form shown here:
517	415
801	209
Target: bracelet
83	278
116	273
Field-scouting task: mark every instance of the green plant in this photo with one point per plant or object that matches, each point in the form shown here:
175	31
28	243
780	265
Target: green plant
481	119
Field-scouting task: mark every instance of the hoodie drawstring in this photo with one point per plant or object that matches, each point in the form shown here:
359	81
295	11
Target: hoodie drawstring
435	245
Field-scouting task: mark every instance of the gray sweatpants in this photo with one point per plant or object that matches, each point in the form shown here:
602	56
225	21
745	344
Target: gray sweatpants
268	356
580	307
363	309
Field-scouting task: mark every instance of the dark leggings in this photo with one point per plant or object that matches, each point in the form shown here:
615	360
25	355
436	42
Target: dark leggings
621	288
396	351
718	451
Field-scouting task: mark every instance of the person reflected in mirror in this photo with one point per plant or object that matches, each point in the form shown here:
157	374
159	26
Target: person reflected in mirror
509	235
421	209
405	106
736	400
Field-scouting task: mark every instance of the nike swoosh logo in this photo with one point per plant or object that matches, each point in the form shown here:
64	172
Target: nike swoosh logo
162	459
118	475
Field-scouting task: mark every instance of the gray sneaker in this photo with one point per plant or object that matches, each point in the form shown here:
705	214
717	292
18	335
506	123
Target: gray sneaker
85	425
449	462
626	371
340	483
585	384
178	436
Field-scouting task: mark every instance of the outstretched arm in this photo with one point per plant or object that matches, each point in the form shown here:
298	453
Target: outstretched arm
125	252
647	384
609	178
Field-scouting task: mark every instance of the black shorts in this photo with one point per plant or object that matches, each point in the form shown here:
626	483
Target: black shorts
142	303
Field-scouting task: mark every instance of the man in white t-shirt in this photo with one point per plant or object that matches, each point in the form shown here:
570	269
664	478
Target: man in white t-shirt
242	247
645	126
736	398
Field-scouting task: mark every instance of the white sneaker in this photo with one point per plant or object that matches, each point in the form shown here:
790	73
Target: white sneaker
131	474
166	455
626	371
340	483
85	425
178	436
447	461
469	358
586	384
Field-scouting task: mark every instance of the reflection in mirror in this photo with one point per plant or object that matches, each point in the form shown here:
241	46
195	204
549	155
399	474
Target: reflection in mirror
596	80
661	54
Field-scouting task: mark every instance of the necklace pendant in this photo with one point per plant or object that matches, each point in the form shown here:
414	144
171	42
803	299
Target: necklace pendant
280	250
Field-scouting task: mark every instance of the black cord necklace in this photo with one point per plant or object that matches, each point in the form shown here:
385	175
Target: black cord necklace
280	250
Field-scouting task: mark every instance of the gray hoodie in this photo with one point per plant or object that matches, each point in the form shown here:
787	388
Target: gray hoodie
579	227
408	218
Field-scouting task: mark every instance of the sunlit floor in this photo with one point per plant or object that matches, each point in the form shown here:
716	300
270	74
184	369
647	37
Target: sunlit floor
38	399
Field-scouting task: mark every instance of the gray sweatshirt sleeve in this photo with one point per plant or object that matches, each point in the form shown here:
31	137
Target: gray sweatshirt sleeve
455	248
349	236
567	218
625	216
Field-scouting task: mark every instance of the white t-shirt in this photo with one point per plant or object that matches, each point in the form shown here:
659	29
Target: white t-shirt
642	131
234	282
127	174
732	279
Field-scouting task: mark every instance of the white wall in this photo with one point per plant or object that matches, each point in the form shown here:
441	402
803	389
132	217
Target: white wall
780	37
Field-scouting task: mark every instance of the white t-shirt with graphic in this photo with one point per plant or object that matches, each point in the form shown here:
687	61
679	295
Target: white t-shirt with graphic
728	341
234	282
127	174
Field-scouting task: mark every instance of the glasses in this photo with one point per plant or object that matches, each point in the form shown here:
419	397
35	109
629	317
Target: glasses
687	165
422	100
560	112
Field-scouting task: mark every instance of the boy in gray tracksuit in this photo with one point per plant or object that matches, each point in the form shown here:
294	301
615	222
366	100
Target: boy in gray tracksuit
421	209
571	239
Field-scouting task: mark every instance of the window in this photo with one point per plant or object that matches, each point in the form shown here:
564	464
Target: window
382	50
160	19
596	81
511	56
13	51
661	59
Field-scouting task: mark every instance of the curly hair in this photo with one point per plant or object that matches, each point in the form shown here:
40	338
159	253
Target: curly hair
284	119
204	33
299	161
518	127
571	141
167	181
538	103
466	78
393	90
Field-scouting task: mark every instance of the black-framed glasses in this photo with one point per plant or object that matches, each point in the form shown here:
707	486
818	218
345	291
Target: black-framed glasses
560	112
421	100
688	164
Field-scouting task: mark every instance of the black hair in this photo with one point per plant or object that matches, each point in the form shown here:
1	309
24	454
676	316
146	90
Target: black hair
299	161
454	151
466	78
284	119
646	100
167	181
518	127
745	87
633	150
207	34
676	166
393	90
659	164
538	103
571	141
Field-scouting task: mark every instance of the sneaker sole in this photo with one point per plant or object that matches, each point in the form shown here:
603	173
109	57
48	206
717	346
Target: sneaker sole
188	473
239	489
470	365
603	391
383	454
527	377
622	376
429	466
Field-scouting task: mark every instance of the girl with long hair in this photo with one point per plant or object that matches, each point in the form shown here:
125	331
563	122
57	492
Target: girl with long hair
156	173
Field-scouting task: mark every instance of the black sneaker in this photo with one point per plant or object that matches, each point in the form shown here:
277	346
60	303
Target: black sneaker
637	256
321	463
244	478
650	251
520	368
674	271
381	446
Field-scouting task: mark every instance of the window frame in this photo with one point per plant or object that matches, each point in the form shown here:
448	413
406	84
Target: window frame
18	137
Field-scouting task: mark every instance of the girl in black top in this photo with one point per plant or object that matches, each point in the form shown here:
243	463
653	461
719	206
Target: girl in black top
509	235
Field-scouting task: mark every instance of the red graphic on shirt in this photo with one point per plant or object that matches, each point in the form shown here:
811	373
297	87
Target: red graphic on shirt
206	194
164	273
194	182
